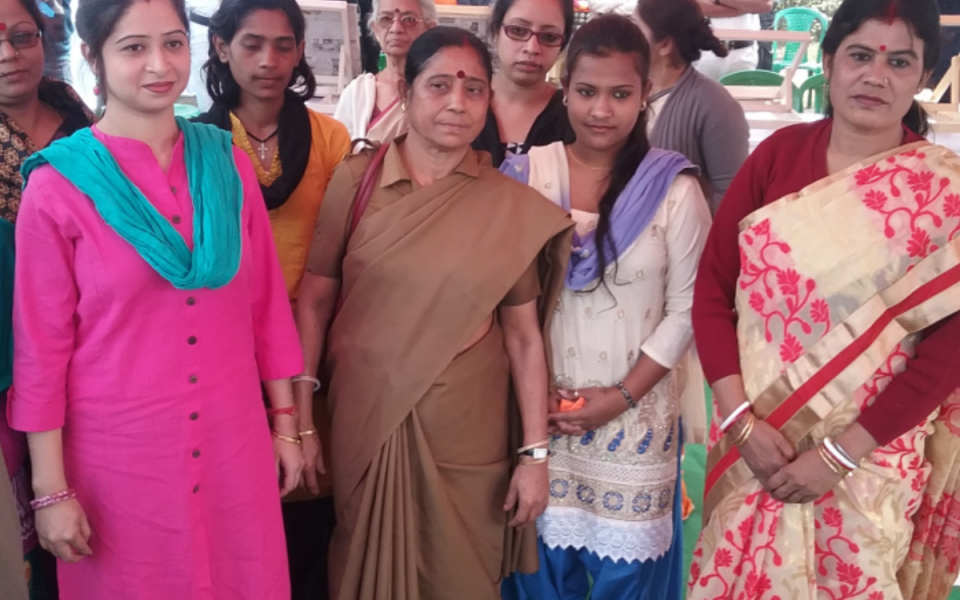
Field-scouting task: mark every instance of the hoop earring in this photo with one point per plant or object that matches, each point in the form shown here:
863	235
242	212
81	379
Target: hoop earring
564	100
403	106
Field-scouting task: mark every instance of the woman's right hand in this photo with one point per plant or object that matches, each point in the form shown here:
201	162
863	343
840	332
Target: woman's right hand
766	450
64	531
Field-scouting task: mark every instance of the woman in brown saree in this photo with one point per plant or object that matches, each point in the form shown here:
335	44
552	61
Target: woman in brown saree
440	284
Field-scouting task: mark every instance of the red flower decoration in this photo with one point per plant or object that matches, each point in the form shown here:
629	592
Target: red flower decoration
920	181
724	558
833	517
951	205
875	199
849	573
788	281
756	585
746	527
790	349
876	596
756	301
866	175
918	243
820	311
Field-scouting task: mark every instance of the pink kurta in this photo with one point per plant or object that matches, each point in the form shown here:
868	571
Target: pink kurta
157	390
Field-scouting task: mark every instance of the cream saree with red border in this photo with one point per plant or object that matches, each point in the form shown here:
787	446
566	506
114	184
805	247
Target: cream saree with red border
836	283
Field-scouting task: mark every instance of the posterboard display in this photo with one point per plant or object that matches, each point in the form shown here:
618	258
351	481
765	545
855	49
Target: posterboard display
332	44
472	18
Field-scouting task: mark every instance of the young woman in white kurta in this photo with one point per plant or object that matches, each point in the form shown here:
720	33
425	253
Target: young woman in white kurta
617	335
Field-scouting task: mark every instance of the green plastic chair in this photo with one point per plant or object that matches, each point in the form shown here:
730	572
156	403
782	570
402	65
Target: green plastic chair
758	77
812	92
799	18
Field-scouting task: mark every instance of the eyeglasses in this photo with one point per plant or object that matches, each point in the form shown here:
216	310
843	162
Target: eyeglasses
522	34
385	21
23	40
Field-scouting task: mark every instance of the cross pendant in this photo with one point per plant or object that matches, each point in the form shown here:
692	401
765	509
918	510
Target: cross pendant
263	151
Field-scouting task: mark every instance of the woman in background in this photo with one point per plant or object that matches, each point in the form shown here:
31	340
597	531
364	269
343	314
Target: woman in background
527	110
370	105
689	112
259	81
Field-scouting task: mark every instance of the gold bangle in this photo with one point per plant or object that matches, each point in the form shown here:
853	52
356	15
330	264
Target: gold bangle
286	438
308	432
836	467
746	431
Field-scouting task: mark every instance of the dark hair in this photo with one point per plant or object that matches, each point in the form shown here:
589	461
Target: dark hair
921	16
436	39
603	36
501	7
96	20
33	9
683	22
224	23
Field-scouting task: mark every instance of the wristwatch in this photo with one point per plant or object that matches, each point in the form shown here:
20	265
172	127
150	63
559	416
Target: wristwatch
536	453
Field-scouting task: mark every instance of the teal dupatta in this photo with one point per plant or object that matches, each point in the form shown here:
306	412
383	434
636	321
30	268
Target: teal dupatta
215	188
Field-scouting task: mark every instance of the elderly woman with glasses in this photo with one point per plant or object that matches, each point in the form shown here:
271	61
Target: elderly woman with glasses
370	105
526	110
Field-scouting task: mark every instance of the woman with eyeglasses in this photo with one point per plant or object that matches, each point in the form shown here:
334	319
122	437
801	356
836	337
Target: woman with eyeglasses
34	111
370	105
526	110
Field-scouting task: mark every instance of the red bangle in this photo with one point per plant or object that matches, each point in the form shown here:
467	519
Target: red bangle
289	410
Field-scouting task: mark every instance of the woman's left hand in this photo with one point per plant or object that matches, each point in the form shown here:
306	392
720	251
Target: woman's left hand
804	480
529	492
289	464
603	404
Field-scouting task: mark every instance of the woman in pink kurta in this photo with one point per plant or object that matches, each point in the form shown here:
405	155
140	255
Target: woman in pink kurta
156	389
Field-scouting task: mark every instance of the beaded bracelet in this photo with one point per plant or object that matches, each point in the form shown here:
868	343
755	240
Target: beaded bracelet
626	394
313	380
286	410
52	499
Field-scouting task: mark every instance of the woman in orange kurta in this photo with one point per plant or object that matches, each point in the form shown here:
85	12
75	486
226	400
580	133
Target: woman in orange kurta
259	80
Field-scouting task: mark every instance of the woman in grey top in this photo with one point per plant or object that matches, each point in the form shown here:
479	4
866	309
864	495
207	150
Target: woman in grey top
690	113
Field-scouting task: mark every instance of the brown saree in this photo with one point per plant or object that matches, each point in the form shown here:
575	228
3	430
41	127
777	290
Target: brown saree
421	450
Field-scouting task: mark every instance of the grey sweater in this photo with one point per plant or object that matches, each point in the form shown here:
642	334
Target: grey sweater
702	121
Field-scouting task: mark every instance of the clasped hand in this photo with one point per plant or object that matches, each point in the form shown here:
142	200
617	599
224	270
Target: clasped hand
787	477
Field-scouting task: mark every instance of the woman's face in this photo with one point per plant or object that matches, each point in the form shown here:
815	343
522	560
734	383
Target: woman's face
447	105
605	96
21	54
145	61
263	54
875	74
397	24
527	62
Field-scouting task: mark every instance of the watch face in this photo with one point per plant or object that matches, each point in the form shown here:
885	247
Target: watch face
540	453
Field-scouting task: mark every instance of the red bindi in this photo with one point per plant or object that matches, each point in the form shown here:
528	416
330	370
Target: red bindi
461	74
3	26
883	48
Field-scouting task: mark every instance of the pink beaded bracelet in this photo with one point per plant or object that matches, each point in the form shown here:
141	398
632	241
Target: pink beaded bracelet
53	499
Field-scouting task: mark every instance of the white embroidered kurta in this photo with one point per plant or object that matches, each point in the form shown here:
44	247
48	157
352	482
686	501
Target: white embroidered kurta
612	490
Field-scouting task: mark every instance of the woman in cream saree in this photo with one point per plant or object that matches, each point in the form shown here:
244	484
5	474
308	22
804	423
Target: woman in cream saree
845	283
